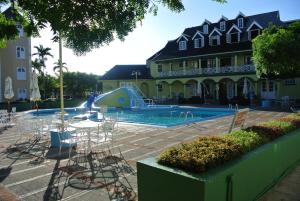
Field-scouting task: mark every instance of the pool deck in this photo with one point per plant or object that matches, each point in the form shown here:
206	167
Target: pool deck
35	182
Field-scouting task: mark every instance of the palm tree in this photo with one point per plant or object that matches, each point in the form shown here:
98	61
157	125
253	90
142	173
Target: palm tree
56	67
43	53
36	65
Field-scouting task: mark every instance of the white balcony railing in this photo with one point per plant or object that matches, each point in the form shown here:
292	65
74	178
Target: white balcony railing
209	71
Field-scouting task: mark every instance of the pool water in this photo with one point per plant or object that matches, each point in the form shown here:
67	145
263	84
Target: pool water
158	117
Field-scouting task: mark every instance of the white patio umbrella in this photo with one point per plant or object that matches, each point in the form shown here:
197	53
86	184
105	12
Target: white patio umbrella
199	89
34	89
245	88
8	91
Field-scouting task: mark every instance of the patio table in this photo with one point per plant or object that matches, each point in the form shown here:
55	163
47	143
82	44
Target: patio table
94	180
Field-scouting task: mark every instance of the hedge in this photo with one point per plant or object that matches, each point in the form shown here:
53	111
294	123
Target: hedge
208	152
24	105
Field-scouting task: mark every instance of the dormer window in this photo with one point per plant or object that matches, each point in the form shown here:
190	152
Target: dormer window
253	30
214	37
233	35
214	40
240	22
182	45
205	29
222	26
196	43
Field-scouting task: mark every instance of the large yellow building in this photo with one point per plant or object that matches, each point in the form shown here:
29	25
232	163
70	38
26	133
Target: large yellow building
15	61
213	63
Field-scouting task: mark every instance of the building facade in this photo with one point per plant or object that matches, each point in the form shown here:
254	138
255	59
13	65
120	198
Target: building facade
213	62
15	61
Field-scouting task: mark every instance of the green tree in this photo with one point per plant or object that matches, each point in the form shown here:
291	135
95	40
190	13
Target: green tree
51	88
43	54
36	65
77	83
276	51
57	66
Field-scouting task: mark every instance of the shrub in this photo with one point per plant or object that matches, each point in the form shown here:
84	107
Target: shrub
201	155
272	129
294	119
247	140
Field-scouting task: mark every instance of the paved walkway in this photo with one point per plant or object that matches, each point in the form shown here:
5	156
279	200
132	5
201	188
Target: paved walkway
37	181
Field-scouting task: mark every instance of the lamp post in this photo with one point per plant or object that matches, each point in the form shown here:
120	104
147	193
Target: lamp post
136	73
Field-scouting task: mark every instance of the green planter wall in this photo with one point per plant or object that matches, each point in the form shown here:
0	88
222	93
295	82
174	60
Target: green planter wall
243	179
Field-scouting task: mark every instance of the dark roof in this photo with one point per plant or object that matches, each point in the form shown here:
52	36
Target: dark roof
170	51
9	13
124	72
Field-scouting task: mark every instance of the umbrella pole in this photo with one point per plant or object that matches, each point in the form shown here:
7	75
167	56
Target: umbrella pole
8	109
61	84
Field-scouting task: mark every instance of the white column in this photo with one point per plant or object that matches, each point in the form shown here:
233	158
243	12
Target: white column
184	67
235	63
200	67
170	88
217	65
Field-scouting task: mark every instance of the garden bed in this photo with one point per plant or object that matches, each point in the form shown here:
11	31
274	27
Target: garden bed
257	165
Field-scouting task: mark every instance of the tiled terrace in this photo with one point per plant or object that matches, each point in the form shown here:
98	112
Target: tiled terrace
29	181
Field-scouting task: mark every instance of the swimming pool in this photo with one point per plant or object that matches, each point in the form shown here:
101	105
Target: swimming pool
164	117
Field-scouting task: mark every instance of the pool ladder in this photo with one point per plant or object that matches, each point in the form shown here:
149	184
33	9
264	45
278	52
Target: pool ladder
185	115
231	107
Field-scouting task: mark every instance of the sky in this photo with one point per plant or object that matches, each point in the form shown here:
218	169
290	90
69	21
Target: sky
155	31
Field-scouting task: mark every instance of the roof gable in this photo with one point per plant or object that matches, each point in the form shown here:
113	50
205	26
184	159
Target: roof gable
215	30
206	22
256	24
182	36
240	15
198	33
223	18
234	27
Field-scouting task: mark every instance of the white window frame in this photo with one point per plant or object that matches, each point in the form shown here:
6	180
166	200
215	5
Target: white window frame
182	45
205	28
159	68
222	25
21	73
196	43
20	30
240	22
22	91
20	52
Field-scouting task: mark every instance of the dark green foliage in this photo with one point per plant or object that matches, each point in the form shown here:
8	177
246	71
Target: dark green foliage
201	155
84	25
77	84
276	51
248	140
272	129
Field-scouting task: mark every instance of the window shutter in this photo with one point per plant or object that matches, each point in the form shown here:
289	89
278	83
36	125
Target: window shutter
228	38
218	40
239	37
210	41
